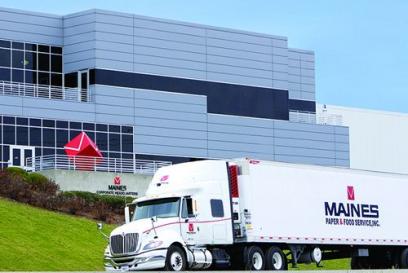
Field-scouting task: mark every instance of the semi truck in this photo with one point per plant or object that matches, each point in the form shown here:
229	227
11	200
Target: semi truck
256	215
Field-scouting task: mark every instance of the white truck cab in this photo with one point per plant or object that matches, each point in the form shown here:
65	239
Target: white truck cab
186	208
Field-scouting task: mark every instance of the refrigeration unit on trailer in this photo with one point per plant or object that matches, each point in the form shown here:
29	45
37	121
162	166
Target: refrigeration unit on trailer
252	214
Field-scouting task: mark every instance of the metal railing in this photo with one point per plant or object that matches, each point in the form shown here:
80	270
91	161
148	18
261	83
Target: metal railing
330	119
44	91
302	117
85	163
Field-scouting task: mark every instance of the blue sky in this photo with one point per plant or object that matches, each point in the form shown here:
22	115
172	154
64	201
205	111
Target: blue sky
361	46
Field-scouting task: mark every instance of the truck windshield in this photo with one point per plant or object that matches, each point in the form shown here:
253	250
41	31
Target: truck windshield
161	208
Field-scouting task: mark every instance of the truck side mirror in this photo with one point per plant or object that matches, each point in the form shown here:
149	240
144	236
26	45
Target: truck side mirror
127	215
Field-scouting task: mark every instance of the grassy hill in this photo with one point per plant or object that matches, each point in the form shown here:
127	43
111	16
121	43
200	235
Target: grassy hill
34	239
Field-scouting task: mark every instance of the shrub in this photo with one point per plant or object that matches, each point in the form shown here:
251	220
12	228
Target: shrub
18	172
37	190
41	183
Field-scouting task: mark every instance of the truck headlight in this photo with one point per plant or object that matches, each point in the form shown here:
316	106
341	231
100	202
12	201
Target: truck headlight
152	245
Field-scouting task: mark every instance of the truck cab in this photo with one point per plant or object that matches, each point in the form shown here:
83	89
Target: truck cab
184	216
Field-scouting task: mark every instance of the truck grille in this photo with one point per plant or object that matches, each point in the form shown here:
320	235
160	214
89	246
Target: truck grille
121	244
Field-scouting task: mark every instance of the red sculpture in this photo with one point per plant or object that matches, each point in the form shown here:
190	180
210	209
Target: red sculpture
83	152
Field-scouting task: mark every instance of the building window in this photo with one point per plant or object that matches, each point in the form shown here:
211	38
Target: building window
30	63
50	136
217	209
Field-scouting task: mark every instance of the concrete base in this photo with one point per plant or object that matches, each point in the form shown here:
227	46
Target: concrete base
100	182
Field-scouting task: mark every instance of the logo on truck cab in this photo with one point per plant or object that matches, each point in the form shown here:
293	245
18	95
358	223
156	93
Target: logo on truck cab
352	213
350	193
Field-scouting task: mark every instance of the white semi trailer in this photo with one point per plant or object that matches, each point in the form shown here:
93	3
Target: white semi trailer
251	214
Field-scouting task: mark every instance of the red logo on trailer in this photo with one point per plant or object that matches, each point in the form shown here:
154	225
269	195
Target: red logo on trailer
350	193
190	227
252	161
164	178
116	180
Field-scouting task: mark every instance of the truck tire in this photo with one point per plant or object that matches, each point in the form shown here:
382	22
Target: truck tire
176	259
254	258
276	259
404	259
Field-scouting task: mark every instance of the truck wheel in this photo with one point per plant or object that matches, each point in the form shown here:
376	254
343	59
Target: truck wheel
275	259
404	259
176	259
255	259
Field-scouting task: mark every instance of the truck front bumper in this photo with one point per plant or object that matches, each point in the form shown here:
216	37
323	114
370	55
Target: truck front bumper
154	259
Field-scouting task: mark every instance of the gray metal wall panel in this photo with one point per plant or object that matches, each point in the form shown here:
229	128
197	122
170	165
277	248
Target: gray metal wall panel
166	25
304	135
170	151
114	18
304	143
30	27
237	54
80	18
240	71
168	71
114	100
167	123
343	163
164	52
59	114
303	152
114	55
242	147
84	64
171	36
161	114
240	36
343	155
114	119
242	46
237	154
114	110
342	138
11	110
171	45
170	132
252	139
240	130
82	29
306	160
113	64
170	141
112	91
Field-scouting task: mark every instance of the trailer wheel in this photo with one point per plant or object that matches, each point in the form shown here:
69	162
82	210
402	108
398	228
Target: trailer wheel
404	259
175	259
275	259
255	258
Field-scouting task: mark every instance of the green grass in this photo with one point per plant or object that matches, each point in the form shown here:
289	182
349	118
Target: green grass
326	265
33	239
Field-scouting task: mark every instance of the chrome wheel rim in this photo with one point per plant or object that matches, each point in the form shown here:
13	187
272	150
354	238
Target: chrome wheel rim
277	260
176	261
257	261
